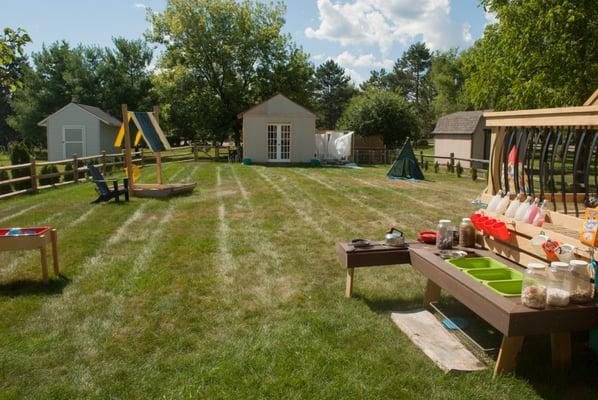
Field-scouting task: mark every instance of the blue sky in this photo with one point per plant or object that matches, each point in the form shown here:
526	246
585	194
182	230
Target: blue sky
359	34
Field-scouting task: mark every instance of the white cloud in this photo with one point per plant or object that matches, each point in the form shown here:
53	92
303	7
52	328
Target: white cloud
490	17
318	57
467	37
354	75
385	23
347	60
140	5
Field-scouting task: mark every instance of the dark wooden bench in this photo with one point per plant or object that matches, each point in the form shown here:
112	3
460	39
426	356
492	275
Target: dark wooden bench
505	314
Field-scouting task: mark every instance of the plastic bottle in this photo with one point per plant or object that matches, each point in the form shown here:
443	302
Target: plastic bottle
494	201
540	217
532	211
503	204
510	213
520	213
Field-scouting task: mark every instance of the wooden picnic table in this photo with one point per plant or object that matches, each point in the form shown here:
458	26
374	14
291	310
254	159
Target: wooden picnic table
505	314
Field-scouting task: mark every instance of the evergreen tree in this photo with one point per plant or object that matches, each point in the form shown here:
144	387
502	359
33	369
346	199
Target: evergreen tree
333	92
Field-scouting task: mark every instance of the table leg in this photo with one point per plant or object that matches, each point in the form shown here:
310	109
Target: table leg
507	355
349	284
44	259
431	294
54	237
560	343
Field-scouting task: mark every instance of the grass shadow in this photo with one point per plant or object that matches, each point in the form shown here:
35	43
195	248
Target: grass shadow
388	305
30	287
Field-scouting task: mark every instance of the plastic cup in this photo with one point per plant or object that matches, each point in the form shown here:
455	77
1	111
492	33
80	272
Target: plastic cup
500	231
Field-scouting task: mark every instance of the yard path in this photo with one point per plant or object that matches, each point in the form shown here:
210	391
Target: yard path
231	292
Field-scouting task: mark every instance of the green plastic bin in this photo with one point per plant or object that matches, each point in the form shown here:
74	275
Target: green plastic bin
466	263
494	274
510	288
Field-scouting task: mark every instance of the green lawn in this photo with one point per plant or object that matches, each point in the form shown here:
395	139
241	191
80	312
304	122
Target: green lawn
235	292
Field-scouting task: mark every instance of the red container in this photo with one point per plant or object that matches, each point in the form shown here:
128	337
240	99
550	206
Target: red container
500	231
488	225
474	220
481	221
35	231
428	237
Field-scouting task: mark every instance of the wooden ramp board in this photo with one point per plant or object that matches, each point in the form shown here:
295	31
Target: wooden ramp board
436	342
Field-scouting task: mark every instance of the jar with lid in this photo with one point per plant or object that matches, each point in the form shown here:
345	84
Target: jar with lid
466	233
444	235
533	288
559	285
582	289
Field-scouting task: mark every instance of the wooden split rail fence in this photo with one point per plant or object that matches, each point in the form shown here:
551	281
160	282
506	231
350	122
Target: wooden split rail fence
105	162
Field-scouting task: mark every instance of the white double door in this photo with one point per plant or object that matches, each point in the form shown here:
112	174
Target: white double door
279	142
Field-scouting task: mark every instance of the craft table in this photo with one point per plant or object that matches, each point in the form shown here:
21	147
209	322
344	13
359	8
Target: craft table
505	314
33	239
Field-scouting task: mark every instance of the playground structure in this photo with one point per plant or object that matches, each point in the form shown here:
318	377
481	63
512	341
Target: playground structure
149	129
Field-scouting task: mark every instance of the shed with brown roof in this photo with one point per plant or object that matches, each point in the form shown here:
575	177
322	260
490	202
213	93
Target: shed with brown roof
464	134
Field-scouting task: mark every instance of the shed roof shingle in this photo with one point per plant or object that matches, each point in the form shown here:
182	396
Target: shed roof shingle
463	122
101	114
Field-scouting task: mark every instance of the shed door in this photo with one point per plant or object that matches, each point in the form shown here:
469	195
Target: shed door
279	142
73	140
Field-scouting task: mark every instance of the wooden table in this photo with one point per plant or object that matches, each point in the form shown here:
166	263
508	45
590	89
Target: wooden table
506	314
37	241
374	256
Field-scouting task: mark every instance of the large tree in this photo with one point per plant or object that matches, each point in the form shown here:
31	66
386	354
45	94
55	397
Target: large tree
379	112
447	79
540	53
13	64
333	92
226	55
84	74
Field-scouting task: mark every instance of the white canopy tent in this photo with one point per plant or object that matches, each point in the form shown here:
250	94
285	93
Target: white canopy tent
333	145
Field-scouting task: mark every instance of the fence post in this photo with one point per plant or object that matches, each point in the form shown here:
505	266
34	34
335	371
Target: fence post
195	156
141	156
421	157
371	156
75	169
452	162
103	162
33	177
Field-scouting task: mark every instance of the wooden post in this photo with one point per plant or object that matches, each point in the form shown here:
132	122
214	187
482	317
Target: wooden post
54	238
452	162
158	155
141	156
194	149
431	294
103	162
421	157
158	168
561	350
128	161
44	259
75	168
507	355
349	284
33	176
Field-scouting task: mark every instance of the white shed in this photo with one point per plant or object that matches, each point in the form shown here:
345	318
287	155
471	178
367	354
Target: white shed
79	129
279	130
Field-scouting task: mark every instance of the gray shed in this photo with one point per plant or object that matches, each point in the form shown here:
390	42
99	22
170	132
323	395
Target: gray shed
279	130
464	134
79	129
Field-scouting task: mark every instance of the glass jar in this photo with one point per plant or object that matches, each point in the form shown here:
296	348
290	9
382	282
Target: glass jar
582	289
444	235
533	288
466	233
559	285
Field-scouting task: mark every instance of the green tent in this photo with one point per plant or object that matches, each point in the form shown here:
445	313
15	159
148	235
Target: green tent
406	166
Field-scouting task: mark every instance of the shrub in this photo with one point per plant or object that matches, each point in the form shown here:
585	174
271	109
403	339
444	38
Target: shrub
49	169
474	173
436	167
459	169
421	143
448	167
4	177
69	167
20	155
